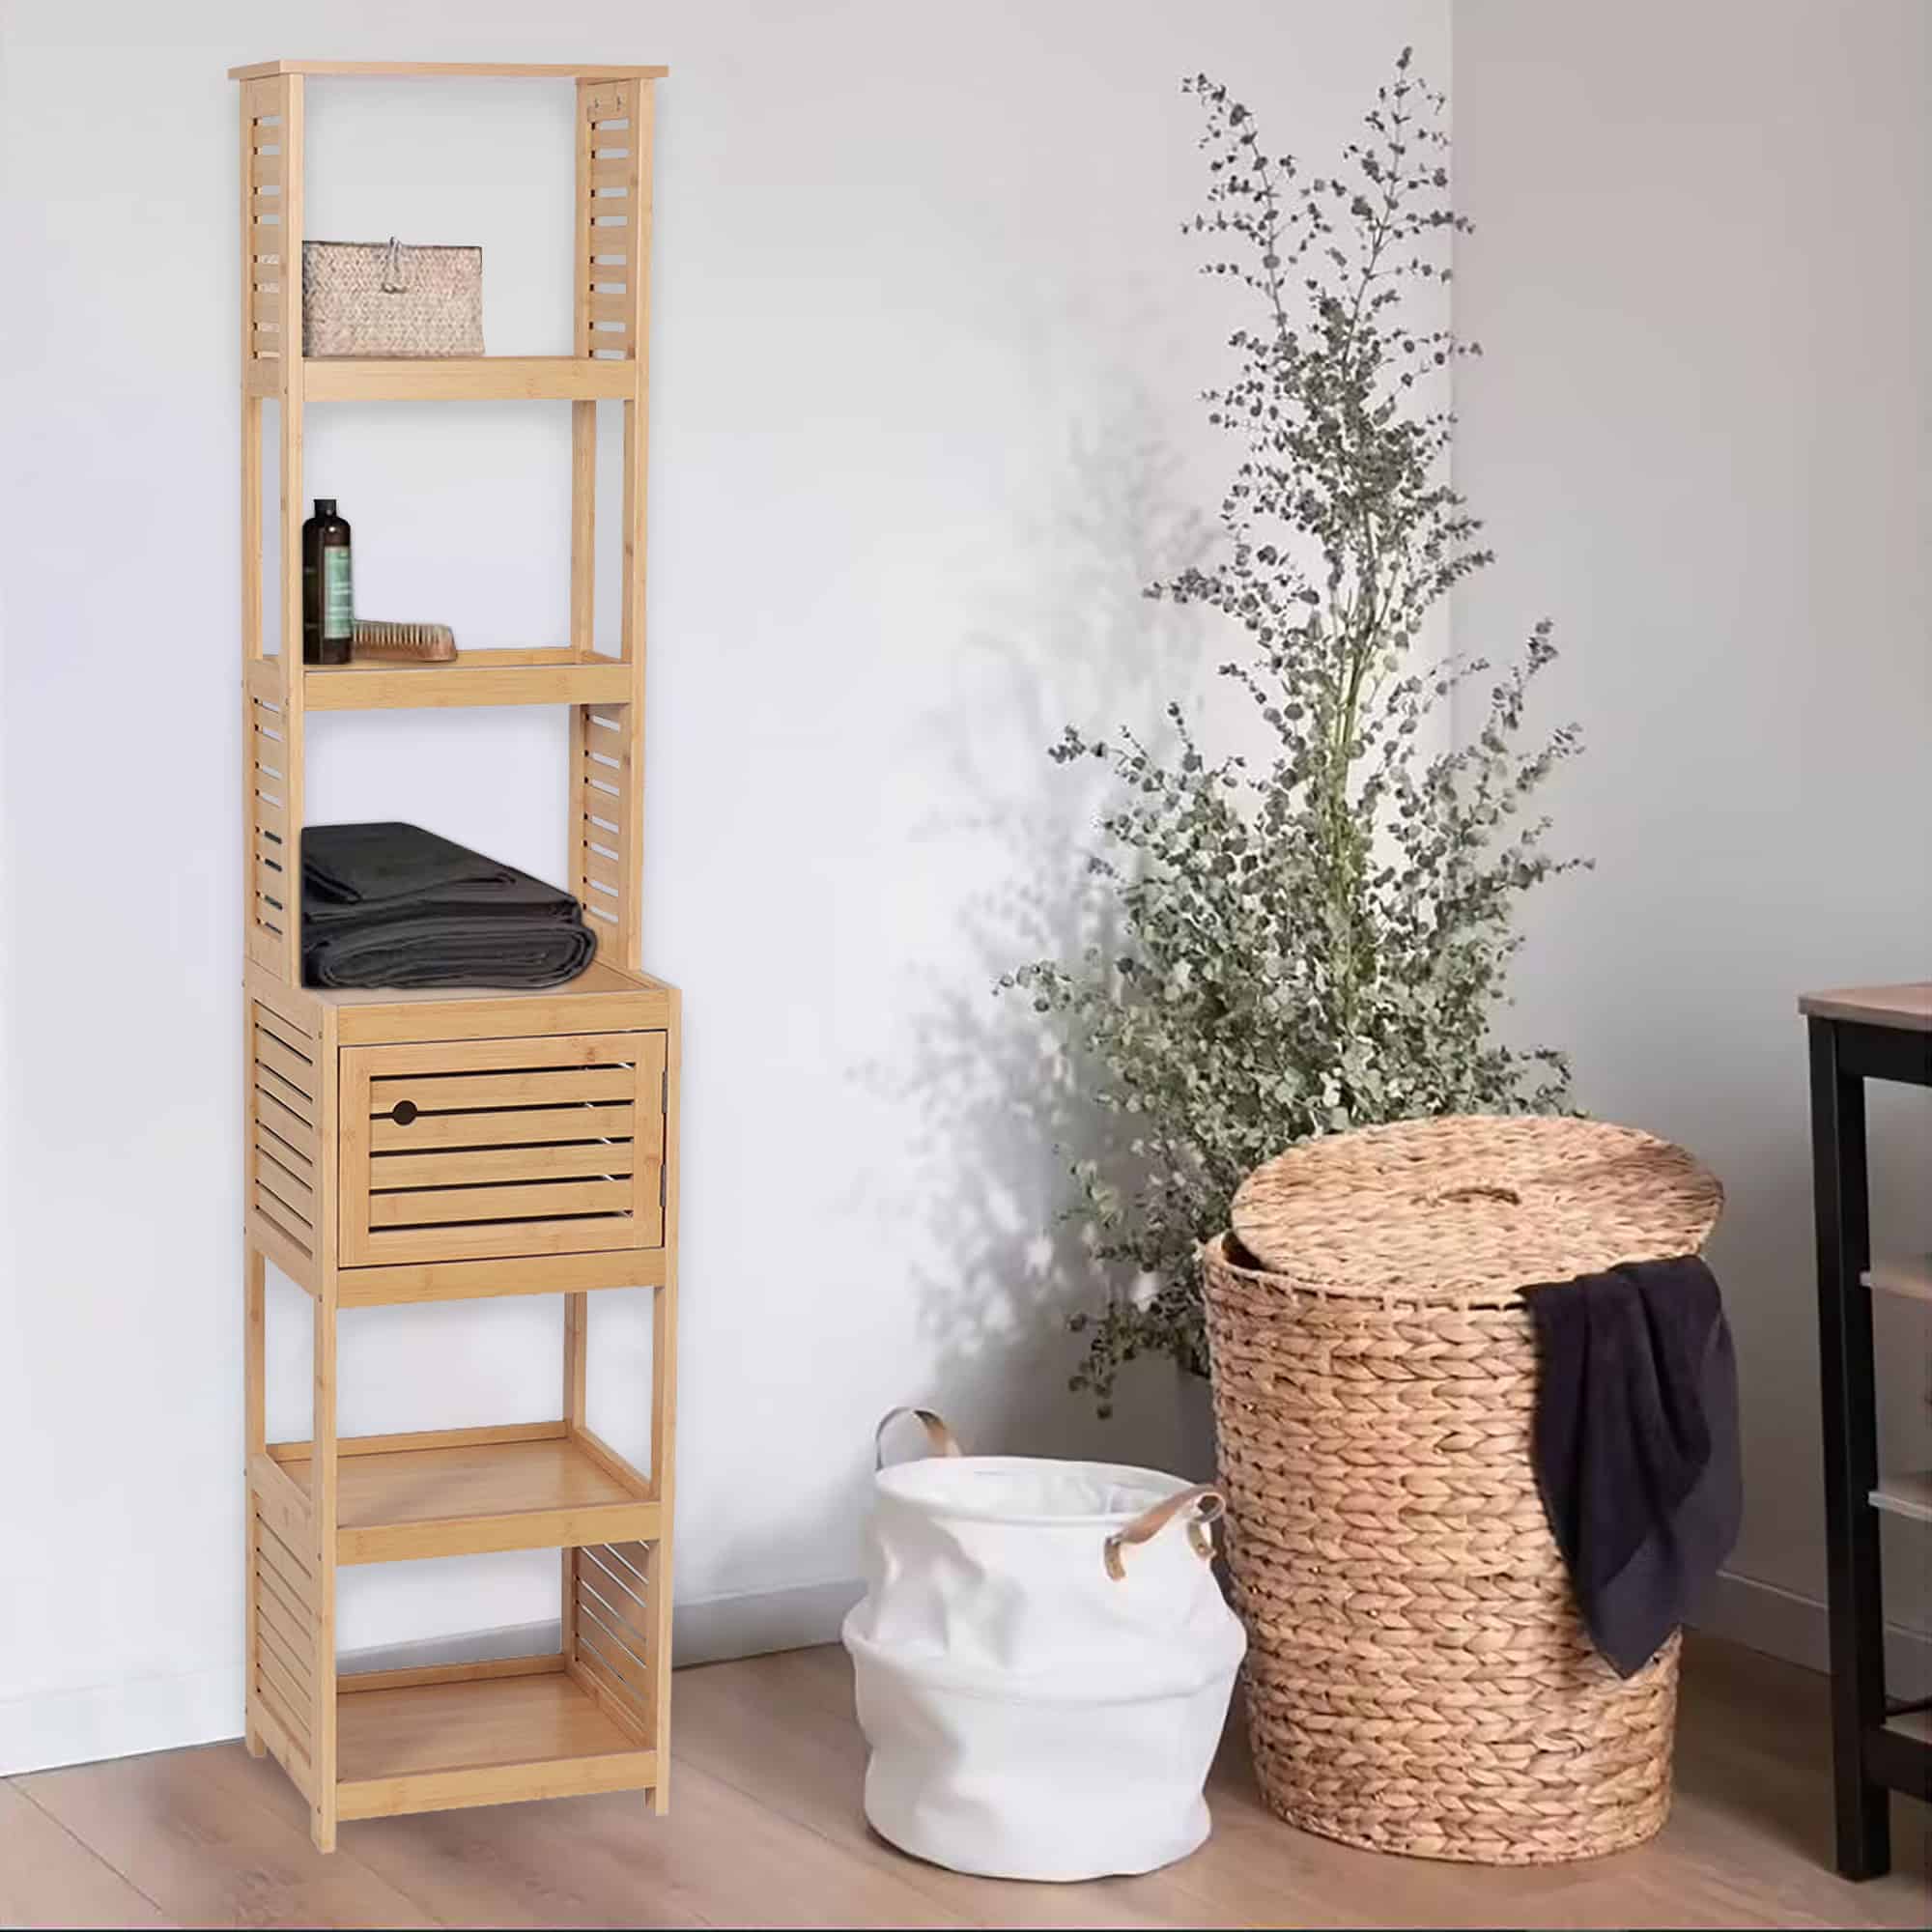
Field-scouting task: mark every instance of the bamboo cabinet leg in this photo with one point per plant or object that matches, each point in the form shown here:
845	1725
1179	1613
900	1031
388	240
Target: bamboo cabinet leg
664	1420
291	410
323	1476
322	1813
576	1350
664	1383
253	1350
630	837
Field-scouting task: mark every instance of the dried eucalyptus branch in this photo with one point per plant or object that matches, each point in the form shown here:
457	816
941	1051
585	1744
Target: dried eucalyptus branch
1317	940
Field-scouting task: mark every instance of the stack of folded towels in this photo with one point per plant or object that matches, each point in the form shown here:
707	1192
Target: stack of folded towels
393	905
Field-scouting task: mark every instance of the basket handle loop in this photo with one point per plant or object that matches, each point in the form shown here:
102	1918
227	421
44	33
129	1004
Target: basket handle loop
1207	1502
942	1440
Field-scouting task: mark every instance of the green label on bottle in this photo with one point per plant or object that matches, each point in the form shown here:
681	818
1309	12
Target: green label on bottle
338	598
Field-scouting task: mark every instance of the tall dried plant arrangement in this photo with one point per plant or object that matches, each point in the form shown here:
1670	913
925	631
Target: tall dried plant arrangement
1319	938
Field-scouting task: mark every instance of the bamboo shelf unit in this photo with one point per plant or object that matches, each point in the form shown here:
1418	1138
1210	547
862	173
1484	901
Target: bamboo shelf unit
446	1146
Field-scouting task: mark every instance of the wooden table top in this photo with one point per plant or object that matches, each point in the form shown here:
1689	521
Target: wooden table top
1907	1007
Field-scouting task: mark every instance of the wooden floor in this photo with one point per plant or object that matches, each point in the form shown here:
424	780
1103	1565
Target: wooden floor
765	1830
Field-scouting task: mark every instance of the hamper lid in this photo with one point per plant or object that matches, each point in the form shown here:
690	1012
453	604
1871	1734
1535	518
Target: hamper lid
1471	1206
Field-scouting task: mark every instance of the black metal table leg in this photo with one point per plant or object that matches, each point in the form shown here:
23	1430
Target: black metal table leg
1851	1452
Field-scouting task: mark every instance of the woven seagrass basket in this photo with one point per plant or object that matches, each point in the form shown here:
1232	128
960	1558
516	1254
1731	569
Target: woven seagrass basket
391	298
1418	1679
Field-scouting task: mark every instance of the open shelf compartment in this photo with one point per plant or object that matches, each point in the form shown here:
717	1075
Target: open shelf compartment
482	1734
588	1718
476	1491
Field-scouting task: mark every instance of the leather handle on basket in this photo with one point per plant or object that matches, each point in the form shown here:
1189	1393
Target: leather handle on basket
943	1440
1208	1504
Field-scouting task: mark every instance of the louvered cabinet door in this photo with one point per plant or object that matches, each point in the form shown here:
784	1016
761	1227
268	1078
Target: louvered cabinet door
470	1149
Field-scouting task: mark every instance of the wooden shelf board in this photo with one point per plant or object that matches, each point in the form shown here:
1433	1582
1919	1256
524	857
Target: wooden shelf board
475	1496
468	378
1912	1724
1910	1275
400	1282
473	678
604	998
1905	1494
599	979
460	69
480	1740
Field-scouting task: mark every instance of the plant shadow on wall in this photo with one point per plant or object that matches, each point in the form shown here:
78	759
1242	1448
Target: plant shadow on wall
993	1110
1317	937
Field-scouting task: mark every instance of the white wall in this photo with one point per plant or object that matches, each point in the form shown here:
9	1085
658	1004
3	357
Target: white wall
927	340
1702	436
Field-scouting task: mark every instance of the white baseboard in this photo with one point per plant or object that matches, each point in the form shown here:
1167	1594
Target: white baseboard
1781	1623
199	1707
140	1714
715	1628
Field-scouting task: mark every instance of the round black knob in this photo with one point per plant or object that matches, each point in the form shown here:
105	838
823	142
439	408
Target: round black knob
402	1113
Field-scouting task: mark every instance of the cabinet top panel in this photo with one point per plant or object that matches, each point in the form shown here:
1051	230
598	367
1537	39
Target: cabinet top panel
486	70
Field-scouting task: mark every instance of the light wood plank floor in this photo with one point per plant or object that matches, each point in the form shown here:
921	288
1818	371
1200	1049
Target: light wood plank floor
765	1830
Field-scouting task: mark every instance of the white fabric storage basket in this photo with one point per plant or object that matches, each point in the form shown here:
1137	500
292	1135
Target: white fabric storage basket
1043	1661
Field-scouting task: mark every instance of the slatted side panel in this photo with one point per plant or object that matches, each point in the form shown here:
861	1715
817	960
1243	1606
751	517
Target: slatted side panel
285	1148
611	237
270	293
614	1648
507	1147
274	866
606	789
284	1648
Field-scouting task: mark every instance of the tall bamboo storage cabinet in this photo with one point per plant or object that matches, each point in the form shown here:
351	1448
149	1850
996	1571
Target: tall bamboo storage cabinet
442	1147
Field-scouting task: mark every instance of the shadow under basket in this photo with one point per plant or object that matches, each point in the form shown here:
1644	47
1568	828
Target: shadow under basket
1418	1678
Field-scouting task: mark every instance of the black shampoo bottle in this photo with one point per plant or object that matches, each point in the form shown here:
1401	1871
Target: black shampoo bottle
329	595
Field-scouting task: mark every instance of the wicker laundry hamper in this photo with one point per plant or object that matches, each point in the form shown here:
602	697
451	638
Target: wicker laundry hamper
1418	1679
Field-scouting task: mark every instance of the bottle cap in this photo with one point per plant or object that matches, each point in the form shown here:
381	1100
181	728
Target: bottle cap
324	506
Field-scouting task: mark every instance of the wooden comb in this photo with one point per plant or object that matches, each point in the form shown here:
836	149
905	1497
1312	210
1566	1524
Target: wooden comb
380	642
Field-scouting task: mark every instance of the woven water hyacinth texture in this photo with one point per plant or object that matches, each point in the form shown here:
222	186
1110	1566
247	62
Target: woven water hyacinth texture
391	298
1418	1678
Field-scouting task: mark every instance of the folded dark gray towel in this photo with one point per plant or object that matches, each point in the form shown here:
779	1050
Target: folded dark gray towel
393	905
389	864
1635	1444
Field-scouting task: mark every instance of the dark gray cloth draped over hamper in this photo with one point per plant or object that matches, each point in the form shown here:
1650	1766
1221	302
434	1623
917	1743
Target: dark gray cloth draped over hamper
1635	1444
393	905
